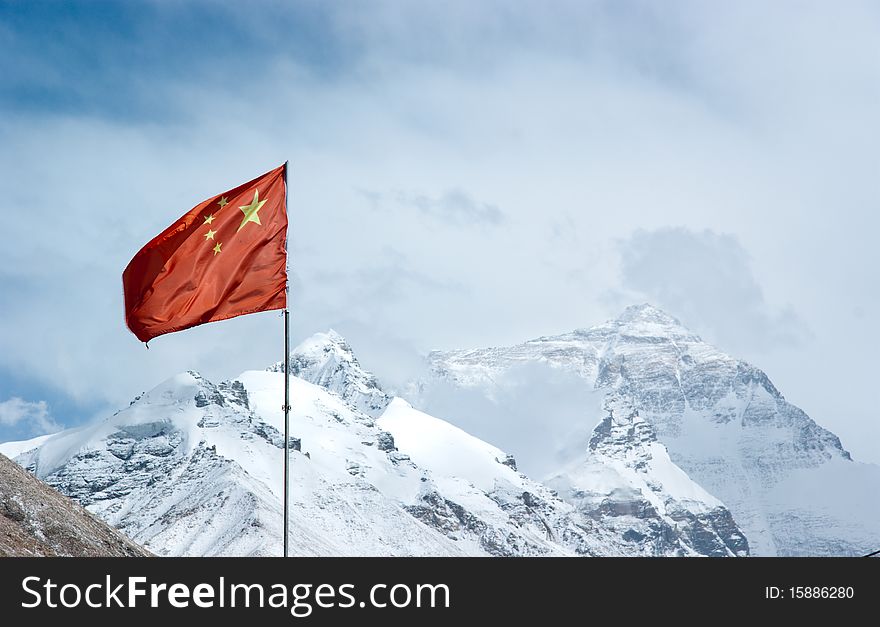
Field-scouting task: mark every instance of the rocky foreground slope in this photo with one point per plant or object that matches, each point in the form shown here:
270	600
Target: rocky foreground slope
35	520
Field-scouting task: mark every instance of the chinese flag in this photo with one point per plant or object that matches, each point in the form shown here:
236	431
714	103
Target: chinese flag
226	257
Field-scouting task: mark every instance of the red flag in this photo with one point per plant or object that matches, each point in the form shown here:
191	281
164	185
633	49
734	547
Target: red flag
226	257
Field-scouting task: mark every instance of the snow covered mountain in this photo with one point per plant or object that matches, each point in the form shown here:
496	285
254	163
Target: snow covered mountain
193	468
643	516
646	385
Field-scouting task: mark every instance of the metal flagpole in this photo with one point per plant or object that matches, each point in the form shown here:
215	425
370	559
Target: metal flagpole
286	389
286	418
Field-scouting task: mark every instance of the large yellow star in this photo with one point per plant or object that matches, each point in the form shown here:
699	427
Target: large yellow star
217	249
210	234
250	211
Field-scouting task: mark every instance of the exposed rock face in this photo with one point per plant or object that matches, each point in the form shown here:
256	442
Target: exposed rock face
652	501
35	520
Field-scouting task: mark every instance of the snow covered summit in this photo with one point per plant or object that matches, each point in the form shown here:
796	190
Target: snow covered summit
790	485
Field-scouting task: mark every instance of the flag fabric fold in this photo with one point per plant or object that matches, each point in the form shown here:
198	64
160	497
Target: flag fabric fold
226	257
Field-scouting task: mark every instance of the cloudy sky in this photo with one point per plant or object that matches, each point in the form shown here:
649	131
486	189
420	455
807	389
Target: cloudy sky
462	174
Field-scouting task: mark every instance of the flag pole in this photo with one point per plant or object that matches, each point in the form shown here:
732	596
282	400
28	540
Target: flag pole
286	419
286	388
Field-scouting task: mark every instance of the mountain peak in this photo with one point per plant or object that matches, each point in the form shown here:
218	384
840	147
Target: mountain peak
319	348
327	360
641	321
646	313
326	342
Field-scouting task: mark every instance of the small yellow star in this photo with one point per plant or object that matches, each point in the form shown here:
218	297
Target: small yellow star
210	234
222	202
216	249
209	219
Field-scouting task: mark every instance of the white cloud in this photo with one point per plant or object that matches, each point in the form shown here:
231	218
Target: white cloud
454	206
33	416
706	279
557	399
